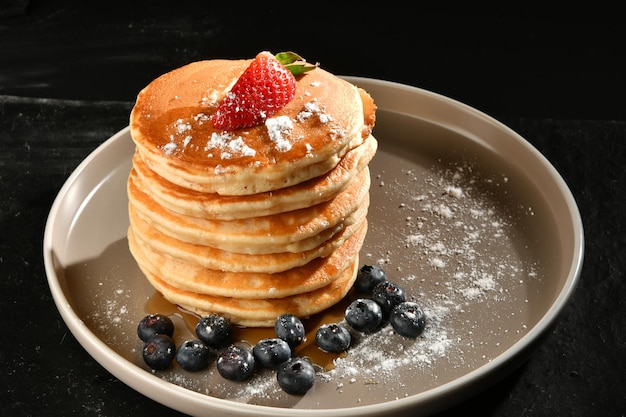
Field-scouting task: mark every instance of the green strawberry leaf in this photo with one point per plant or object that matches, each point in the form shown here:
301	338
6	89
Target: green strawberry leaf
295	63
286	58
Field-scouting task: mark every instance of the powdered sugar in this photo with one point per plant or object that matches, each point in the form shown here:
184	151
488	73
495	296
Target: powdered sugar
279	129
186	134
311	109
228	145
449	243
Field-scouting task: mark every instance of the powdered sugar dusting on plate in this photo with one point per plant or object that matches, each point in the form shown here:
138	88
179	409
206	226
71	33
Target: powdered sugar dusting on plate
454	239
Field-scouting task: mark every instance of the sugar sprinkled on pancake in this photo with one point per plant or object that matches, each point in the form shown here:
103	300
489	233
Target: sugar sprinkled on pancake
170	124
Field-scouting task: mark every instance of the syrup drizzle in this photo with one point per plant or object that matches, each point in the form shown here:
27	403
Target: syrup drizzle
252	335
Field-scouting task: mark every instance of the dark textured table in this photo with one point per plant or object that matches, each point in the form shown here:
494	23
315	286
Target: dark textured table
68	76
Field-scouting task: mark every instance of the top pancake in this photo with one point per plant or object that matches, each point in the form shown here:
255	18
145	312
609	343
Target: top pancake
231	207
170	124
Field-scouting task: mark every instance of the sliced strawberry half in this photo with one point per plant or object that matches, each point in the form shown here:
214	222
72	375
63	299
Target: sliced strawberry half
265	87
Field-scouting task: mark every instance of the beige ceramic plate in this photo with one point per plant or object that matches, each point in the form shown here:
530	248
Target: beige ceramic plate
477	226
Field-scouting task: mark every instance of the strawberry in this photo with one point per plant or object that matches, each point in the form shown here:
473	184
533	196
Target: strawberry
265	87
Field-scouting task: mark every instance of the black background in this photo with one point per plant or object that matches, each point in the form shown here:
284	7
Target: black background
69	71
509	62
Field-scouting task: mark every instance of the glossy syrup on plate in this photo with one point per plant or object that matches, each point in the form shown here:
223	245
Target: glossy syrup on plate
252	335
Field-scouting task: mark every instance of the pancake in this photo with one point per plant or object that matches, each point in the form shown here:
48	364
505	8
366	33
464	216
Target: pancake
217	259
260	312
253	285
293	231
220	207
170	125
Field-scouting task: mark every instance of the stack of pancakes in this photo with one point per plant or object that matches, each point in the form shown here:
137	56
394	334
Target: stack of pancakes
257	222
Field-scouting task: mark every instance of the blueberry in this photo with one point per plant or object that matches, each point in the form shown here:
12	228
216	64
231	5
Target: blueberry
154	324
159	351
367	278
408	319
271	352
333	338
235	363
296	376
364	315
193	355
388	294
215	331
289	328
